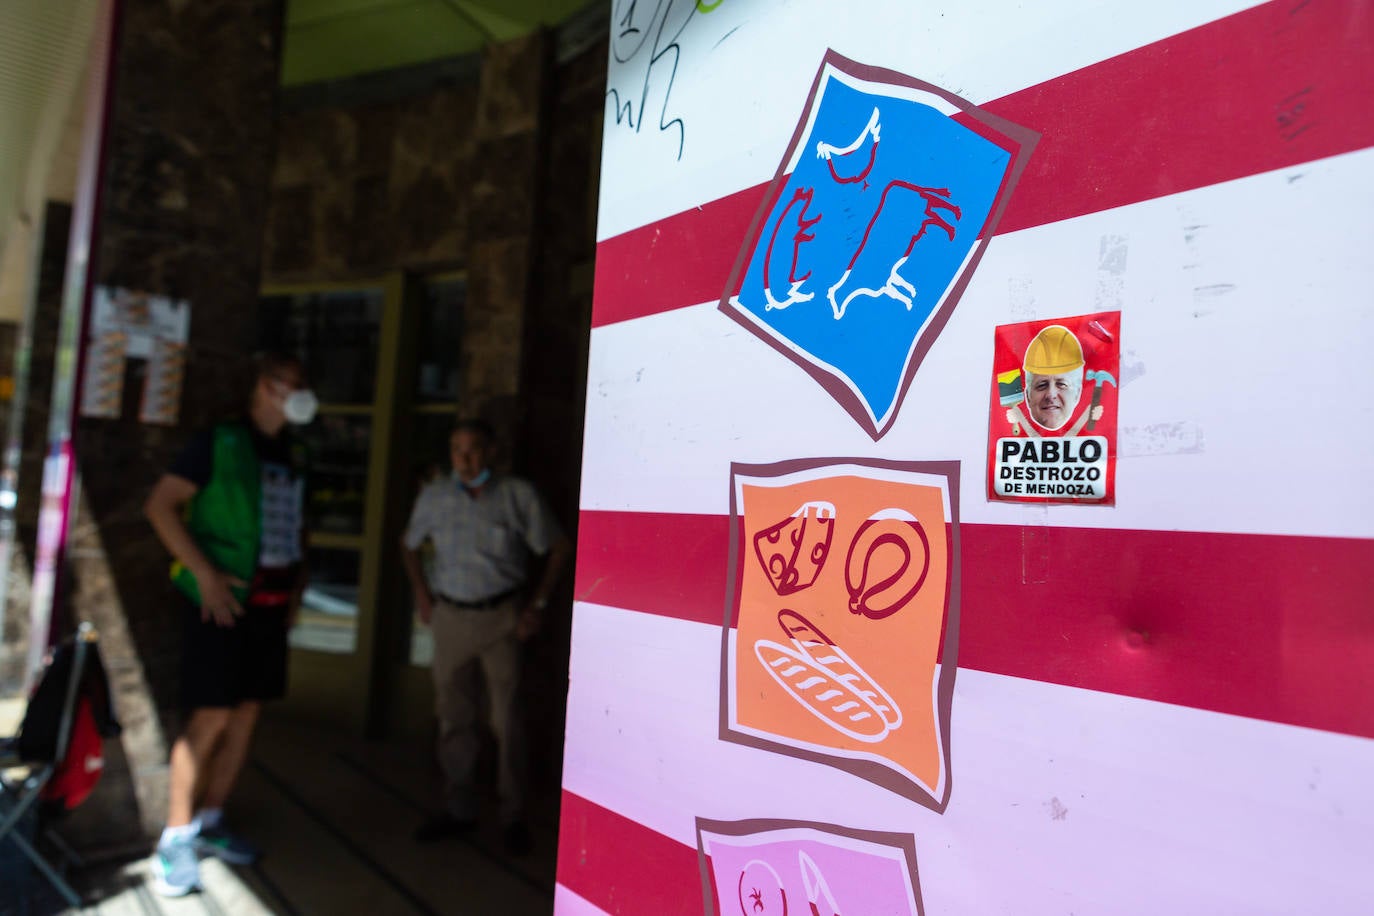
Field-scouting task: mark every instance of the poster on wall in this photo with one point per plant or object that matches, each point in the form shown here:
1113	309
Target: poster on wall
161	403
818	236
880	210
102	386
773	868
128	324
845	590
1052	431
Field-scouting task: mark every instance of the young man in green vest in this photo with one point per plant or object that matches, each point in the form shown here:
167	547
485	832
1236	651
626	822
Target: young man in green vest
230	511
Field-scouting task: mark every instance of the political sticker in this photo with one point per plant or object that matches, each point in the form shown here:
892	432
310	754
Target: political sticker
161	403
777	867
844	585
102	386
143	319
880	210
1052	432
132	325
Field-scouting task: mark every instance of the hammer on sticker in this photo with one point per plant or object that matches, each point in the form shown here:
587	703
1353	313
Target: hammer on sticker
1098	377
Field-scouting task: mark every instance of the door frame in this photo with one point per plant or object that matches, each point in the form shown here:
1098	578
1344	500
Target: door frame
337	688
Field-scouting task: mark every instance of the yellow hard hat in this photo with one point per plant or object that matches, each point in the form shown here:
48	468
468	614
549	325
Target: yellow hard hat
1054	351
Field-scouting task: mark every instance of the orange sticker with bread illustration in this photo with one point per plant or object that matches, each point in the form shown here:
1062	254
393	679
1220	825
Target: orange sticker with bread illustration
843	604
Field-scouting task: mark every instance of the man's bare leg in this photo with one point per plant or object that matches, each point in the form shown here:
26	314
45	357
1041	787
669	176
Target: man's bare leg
191	757
228	762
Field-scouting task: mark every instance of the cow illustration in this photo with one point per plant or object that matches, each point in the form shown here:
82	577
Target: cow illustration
880	208
887	239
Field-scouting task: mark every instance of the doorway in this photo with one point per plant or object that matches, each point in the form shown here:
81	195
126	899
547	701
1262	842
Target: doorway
383	357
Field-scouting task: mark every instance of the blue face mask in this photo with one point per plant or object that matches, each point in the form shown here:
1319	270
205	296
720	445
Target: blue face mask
477	481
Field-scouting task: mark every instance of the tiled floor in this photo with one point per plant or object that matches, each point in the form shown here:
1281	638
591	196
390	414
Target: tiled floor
334	818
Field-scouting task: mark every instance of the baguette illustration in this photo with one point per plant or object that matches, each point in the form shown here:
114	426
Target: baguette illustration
821	693
803	632
822	650
823	678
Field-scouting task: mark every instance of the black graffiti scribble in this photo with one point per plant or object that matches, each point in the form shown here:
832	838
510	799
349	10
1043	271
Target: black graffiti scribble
632	29
1291	115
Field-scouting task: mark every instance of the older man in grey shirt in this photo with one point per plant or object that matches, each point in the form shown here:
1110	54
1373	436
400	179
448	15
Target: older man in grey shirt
479	605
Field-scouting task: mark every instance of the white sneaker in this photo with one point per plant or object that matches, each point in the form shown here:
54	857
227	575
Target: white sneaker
176	870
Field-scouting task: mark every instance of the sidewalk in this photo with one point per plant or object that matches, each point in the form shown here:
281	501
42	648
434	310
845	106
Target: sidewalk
334	817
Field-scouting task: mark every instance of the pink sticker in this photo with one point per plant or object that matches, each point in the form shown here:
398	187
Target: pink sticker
776	868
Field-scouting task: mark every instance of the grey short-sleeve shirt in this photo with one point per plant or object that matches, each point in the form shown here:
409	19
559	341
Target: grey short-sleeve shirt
482	544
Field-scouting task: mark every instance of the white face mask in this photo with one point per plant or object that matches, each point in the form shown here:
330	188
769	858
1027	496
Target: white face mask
300	407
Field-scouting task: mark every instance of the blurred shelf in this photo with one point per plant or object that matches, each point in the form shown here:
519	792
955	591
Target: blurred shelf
333	540
345	409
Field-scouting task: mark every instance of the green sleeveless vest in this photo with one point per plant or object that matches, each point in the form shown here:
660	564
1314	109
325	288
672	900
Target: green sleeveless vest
225	516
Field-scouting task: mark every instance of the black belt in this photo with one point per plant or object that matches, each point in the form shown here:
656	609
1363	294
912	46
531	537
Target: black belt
486	604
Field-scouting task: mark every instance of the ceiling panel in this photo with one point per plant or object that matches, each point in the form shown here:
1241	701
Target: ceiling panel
43	45
335	39
381	37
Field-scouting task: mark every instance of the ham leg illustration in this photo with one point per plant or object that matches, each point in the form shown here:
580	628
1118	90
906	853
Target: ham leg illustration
793	551
887	564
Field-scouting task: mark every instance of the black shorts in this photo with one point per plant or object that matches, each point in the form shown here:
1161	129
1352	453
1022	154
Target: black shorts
226	666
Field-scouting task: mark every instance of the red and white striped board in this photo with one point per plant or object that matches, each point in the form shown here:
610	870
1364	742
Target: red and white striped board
1161	705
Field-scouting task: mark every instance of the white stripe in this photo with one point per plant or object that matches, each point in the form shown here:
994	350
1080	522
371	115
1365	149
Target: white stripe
1064	800
566	903
735	130
1249	411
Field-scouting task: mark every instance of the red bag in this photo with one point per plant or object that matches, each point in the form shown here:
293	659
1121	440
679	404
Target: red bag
76	775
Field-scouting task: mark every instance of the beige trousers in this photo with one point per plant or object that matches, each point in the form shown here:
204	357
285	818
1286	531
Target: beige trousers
462	637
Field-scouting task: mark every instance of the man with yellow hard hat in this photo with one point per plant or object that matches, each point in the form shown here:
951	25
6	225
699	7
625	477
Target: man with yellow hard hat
1054	376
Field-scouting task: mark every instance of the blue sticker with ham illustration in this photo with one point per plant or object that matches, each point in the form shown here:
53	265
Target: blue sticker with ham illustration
879	212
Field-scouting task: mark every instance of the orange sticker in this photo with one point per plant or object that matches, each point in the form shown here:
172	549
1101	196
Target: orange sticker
842	580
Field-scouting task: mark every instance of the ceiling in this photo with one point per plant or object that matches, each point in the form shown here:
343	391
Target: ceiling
334	39
44	45
43	49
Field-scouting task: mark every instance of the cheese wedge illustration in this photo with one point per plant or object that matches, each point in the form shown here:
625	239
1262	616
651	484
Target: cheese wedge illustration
793	551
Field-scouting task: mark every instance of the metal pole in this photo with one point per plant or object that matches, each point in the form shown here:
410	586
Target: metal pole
59	471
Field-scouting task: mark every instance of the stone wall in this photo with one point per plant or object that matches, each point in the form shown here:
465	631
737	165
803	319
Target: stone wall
361	190
189	152
504	228
553	375
495	175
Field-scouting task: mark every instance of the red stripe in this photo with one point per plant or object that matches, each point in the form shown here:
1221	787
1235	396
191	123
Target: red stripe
681	260
622	866
1271	627
1270	87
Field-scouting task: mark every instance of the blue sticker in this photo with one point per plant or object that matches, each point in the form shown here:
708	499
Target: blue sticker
878	211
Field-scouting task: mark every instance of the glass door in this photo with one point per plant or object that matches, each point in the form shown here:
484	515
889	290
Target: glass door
347	336
428	407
